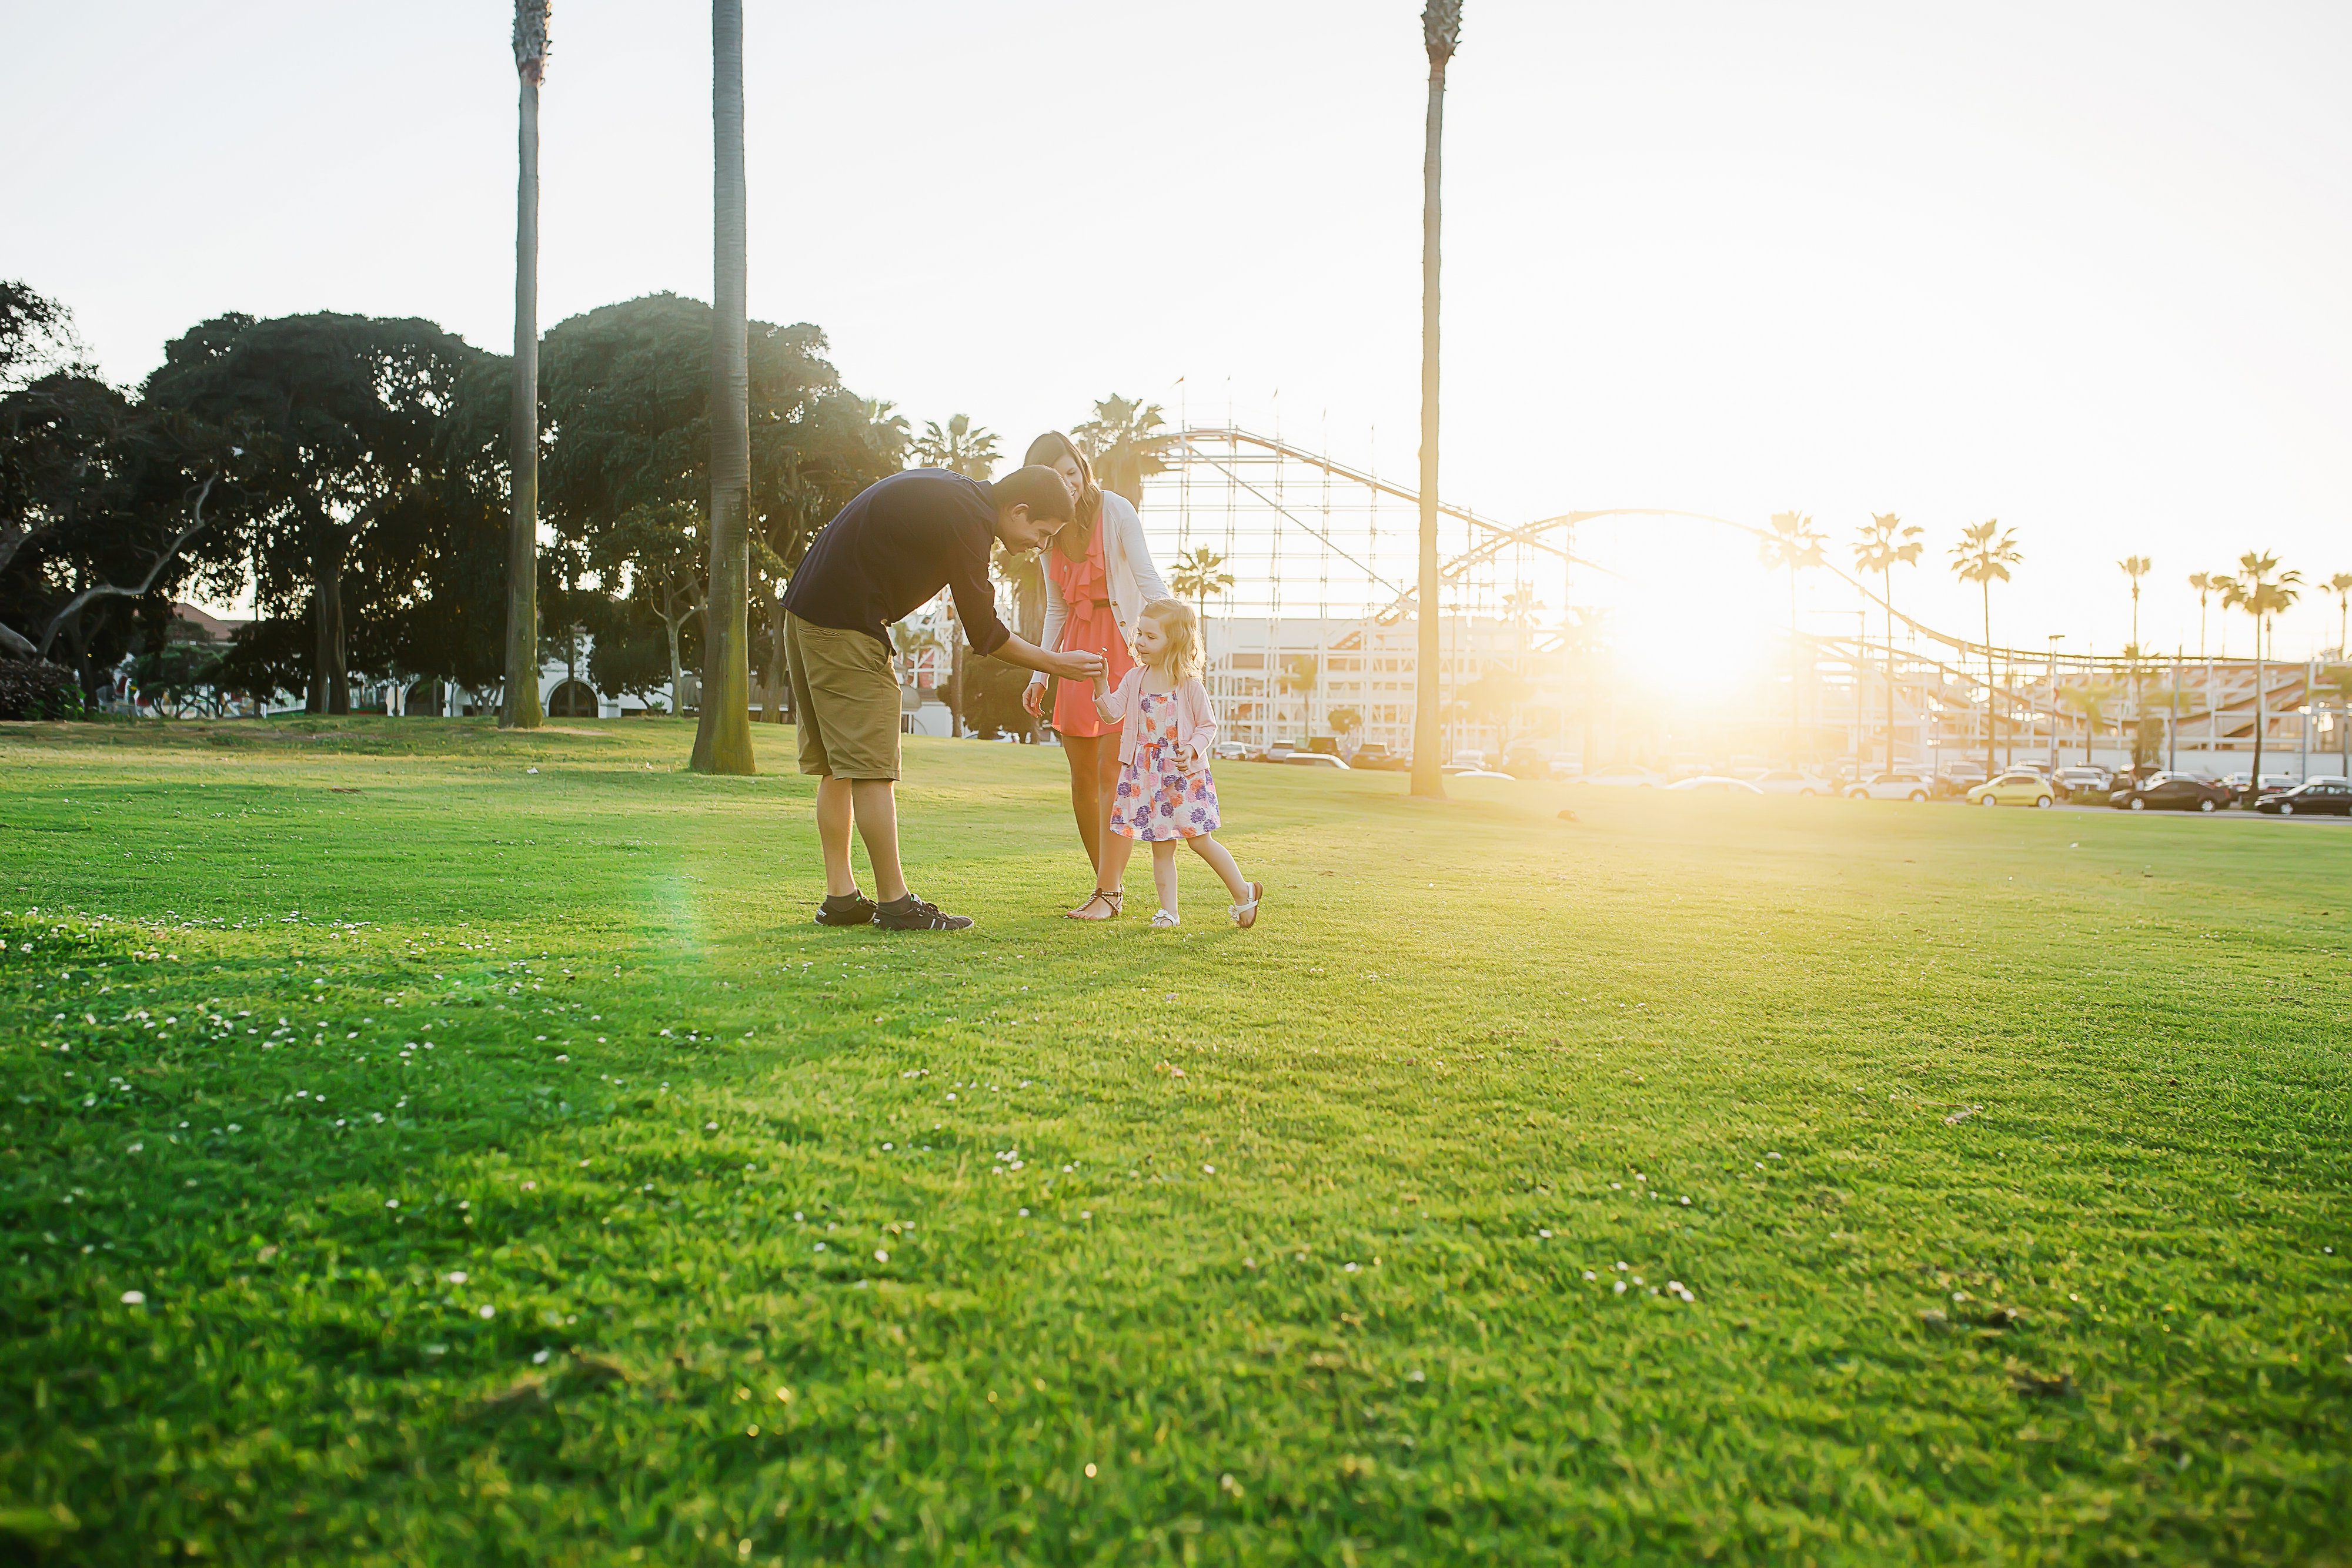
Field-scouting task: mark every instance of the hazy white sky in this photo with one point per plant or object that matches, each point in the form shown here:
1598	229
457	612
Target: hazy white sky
2084	267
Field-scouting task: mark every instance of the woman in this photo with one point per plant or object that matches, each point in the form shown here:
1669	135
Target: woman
1098	578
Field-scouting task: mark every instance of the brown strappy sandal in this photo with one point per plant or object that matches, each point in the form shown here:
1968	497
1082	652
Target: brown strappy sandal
1113	900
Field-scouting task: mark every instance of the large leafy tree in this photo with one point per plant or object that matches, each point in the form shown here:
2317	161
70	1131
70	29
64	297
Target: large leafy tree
625	390
349	417
103	497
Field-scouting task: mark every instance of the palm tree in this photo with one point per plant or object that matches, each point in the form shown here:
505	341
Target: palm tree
1301	673
1197	574
1520	608
2262	596
1984	555
2340	585
1793	543
1882	544
2337	679
2134	567
910	642
968	449
2090	700
1441	34
722	733
520	709
1125	444
2204	582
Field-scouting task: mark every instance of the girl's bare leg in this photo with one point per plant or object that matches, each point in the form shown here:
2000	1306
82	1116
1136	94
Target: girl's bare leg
1221	862
1117	847
1163	872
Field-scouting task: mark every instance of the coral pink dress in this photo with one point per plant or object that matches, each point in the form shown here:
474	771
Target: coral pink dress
1085	587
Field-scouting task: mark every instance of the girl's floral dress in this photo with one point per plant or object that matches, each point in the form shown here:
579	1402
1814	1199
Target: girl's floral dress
1156	800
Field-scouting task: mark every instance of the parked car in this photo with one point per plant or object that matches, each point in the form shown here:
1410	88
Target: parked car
1715	784
2319	797
1280	751
1525	762
2015	787
1956	778
2092	783
2246	790
1787	781
2170	792
1893	787
1314	760
1232	751
1468	756
1375	753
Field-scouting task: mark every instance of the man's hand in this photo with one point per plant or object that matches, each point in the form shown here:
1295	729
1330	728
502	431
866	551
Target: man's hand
1077	666
1033	698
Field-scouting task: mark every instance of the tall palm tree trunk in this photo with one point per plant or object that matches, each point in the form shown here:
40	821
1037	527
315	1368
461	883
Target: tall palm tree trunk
1993	716
520	710
722	734
2262	714
1887	579
1441	27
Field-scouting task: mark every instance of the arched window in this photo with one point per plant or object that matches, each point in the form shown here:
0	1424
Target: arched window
571	699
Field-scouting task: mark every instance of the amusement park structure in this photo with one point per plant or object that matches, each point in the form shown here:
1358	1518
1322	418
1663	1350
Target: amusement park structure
1313	641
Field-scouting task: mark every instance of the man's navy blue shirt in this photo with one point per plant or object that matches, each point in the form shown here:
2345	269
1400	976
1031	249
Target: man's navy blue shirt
889	552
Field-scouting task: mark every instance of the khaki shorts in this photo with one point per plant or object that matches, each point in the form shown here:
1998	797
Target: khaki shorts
845	699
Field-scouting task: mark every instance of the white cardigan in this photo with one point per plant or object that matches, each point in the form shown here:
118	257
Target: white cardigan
1127	563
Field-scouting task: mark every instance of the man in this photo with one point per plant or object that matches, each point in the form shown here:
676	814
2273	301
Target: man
887	555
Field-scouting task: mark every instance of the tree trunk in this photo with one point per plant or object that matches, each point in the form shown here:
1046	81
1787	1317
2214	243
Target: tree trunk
331	689
1888	578
676	668
722	737
1438	25
776	677
1992	718
521	708
2262	679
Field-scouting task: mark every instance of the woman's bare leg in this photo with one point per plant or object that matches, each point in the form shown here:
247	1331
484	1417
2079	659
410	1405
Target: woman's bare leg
1107	768
1116	849
1221	860
1087	792
1163	872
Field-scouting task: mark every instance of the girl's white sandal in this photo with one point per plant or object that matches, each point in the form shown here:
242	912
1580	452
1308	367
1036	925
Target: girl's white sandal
1246	914
1163	921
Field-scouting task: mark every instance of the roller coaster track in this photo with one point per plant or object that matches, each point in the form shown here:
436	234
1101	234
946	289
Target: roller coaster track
1189	445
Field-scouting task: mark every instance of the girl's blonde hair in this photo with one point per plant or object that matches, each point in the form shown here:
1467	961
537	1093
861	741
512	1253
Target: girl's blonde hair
1183	630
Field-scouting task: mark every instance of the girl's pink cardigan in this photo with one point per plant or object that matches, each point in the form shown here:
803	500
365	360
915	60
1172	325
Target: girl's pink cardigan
1196	727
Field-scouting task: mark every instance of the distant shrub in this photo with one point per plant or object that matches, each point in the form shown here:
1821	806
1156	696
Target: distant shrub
35	688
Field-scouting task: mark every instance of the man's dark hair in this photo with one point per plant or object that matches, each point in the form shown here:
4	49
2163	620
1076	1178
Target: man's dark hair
1037	488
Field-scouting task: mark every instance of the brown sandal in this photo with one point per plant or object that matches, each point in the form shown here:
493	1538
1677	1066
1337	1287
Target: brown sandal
1246	914
1111	900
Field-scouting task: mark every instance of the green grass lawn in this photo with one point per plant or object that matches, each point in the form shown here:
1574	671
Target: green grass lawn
409	1158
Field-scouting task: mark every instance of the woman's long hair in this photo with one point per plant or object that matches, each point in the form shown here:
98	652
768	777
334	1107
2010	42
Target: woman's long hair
1051	448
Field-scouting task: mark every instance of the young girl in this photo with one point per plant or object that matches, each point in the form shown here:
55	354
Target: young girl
1164	793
